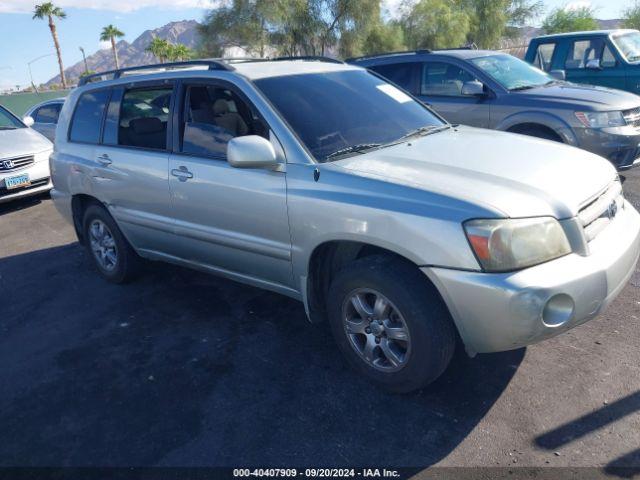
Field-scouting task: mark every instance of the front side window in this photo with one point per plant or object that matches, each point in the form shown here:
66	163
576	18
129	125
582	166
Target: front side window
144	116
399	73
443	79
8	121
340	111
48	114
87	118
213	115
544	55
511	72
629	45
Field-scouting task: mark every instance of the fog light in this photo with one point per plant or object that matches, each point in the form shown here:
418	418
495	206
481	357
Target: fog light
558	310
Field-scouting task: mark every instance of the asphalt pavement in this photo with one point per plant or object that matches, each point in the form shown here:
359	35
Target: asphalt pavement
184	369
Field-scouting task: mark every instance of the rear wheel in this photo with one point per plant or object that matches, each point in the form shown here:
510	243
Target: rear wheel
390	323
110	252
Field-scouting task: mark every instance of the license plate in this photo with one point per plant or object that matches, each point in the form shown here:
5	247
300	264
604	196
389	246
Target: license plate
17	181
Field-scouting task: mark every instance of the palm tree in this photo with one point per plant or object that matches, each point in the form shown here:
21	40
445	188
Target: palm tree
48	10
179	52
159	48
109	34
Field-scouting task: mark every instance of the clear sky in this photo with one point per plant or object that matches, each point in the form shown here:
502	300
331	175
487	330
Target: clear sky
25	39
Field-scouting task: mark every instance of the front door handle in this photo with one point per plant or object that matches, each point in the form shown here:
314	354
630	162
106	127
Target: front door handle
104	160
182	173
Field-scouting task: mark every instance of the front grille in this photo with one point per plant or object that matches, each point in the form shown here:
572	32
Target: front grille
632	117
8	164
598	213
34	184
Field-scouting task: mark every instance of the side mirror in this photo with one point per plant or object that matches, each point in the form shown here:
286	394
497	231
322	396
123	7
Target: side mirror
558	75
594	64
251	151
473	89
28	121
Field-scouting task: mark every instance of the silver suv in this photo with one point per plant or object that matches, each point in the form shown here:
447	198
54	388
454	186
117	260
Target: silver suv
321	181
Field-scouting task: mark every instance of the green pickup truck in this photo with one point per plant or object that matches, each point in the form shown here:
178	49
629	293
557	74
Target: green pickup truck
610	58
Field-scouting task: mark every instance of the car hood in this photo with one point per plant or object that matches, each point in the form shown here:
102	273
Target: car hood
509	174
588	97
22	141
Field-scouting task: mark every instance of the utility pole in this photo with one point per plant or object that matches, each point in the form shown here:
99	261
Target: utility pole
31	73
84	57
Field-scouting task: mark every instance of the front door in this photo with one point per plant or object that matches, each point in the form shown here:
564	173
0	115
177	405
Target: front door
593	61
441	87
230	219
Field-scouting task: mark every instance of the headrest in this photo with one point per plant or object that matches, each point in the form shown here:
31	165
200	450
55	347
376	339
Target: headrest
220	107
146	125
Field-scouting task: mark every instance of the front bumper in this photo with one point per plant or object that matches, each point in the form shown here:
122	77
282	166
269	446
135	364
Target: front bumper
40	181
621	145
496	312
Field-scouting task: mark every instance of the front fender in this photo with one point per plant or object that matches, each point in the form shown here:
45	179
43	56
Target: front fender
548	120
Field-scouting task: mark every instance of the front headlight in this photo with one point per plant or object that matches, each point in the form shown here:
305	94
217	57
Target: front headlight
43	156
504	245
601	119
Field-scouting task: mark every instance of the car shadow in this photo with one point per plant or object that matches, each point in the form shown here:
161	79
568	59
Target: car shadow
185	369
22	203
627	466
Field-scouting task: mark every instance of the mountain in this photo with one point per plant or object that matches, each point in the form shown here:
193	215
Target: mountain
133	54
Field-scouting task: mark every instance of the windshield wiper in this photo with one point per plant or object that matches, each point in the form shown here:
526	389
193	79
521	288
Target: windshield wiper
8	128
523	87
426	130
360	148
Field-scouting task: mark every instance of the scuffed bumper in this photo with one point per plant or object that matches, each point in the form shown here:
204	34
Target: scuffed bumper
496	312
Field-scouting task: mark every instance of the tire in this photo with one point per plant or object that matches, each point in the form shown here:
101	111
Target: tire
541	133
123	264
414	306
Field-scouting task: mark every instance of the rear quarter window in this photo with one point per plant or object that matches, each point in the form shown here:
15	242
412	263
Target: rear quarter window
87	118
399	73
544	55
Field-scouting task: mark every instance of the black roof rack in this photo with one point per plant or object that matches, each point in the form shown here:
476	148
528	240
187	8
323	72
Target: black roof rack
212	64
308	58
408	52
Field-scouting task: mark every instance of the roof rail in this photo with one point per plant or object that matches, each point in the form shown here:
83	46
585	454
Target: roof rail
212	64
385	54
308	58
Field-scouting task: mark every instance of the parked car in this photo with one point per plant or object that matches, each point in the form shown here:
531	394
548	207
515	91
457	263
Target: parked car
43	117
324	182
494	90
610	58
24	159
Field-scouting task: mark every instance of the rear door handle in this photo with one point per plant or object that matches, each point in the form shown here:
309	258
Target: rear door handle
104	160
182	173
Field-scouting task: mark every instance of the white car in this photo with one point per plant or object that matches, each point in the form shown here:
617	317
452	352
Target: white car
24	159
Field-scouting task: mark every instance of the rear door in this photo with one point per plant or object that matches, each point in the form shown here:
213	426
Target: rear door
230	219
441	86
132	161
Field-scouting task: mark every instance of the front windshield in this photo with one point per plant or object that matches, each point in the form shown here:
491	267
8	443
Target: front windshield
629	45
345	112
511	72
8	121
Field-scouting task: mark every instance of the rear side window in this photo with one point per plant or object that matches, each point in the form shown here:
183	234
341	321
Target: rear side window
48	114
87	118
144	116
544	55
399	73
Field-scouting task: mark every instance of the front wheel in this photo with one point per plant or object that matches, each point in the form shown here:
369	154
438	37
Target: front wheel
390	323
